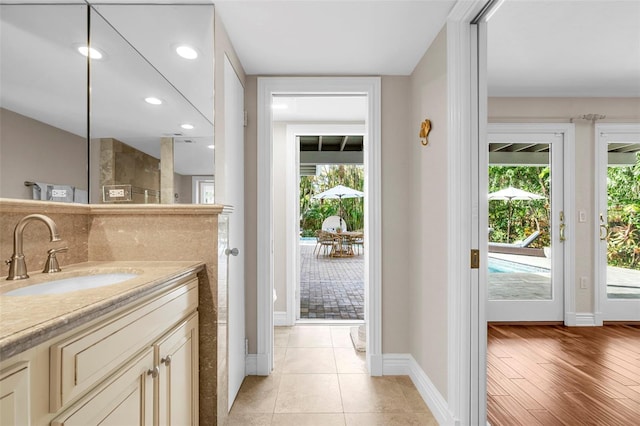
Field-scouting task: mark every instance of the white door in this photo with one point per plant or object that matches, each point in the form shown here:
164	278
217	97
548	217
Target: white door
234	191
526	252
618	221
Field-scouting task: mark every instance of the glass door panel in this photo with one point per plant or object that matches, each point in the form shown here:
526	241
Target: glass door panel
525	222
618	219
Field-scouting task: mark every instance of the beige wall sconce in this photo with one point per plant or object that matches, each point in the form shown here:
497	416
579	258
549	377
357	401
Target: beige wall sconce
425	128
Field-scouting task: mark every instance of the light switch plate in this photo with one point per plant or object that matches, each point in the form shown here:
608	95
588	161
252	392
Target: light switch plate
582	216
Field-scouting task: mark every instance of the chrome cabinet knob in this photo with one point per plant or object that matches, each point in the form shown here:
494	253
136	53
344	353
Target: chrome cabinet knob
232	252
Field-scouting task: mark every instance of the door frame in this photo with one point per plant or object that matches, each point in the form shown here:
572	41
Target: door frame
600	289
371	87
292	208
567	130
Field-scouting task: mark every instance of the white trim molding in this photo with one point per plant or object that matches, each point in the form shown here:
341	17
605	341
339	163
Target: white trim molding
251	365
281	319
366	86
406	365
587	319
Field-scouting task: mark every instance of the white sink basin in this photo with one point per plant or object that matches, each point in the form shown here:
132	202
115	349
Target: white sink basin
66	285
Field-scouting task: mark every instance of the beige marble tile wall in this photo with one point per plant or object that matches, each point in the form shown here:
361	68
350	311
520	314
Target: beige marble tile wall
72	221
177	232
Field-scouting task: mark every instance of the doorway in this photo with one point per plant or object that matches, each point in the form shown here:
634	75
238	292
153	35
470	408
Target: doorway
528	221
268	87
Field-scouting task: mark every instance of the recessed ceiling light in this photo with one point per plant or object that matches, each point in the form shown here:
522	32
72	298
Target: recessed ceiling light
211	146
279	106
90	52
187	52
187	126
153	101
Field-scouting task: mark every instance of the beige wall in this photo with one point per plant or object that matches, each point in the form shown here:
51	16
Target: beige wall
397	136
429	216
31	150
550	110
280	217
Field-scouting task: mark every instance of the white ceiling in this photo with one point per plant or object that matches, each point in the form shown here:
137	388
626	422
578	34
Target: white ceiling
565	48
332	37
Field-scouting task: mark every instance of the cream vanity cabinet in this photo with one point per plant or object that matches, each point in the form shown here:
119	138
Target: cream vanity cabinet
14	395
136	367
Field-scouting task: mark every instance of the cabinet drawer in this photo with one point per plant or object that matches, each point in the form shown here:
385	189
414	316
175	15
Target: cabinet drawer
80	361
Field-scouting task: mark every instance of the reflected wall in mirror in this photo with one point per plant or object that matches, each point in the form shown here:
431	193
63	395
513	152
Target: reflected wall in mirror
151	109
43	102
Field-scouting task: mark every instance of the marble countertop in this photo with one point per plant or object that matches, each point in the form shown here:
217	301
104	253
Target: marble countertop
27	321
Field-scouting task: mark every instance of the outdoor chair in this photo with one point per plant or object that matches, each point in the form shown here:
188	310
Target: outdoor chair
325	241
358	243
519	244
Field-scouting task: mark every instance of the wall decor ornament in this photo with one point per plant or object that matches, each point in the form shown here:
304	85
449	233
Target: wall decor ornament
425	128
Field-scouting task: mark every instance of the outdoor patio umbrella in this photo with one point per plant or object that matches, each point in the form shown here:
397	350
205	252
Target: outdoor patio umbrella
339	192
509	194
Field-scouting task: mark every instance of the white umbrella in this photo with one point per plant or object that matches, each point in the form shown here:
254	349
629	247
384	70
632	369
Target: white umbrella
509	194
339	192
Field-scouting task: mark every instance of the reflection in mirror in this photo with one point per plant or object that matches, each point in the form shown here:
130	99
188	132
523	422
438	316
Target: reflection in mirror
43	102
151	150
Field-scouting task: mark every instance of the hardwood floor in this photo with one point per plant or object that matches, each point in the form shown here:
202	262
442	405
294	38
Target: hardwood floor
556	375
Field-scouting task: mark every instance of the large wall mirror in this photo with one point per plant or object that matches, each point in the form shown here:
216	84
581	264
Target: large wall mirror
86	129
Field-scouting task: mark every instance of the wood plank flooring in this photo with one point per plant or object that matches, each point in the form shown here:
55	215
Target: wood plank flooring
556	375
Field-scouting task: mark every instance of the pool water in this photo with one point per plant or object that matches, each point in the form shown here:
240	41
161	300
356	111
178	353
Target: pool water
500	266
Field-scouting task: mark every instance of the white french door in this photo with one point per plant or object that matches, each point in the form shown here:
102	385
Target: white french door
618	220
526	260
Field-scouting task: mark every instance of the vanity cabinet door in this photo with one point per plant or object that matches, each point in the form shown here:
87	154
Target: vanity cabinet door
127	399
14	395
177	357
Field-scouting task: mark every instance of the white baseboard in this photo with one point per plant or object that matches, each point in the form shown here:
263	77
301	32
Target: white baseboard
572	319
280	319
251	364
405	364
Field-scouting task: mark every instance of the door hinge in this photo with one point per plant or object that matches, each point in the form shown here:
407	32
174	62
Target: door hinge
475	259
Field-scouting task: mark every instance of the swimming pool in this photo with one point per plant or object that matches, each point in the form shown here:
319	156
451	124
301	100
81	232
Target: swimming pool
501	266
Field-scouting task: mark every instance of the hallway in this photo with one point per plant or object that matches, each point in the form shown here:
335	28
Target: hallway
319	379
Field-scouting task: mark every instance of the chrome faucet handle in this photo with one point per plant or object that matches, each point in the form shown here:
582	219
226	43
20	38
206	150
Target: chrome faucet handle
52	265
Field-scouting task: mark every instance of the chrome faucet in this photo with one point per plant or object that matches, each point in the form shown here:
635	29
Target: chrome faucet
17	265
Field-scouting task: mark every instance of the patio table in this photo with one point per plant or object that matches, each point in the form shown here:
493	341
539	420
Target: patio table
343	248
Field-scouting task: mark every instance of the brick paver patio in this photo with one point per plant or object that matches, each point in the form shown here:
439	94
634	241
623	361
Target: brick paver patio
331	288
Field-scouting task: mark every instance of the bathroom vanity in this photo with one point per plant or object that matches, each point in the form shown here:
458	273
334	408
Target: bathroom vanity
125	353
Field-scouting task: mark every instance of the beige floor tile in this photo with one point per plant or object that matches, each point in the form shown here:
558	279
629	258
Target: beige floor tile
385	419
413	397
310	337
426	419
350	361
281	340
364	394
278	359
248	419
257	394
341	337
309	393
308	419
309	360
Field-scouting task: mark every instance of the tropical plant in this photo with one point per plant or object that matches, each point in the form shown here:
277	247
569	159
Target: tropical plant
623	192
527	216
313	212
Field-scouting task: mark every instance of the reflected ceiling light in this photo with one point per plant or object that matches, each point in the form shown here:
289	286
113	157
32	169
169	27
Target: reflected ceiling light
187	52
211	146
153	101
91	52
187	126
279	106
